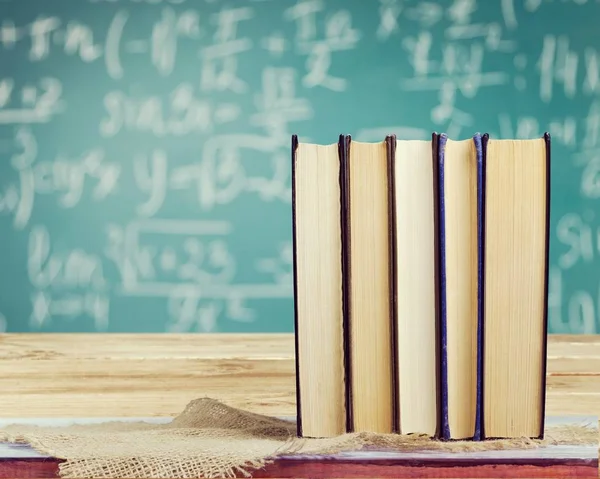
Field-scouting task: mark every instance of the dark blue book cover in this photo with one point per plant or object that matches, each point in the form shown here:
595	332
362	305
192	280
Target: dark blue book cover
446	433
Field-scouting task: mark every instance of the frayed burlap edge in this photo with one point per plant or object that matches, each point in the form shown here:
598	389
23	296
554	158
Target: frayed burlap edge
211	439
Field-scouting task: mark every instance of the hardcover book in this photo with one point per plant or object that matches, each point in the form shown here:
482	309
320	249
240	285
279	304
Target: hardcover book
461	209
368	276
415	292
318	297
516	246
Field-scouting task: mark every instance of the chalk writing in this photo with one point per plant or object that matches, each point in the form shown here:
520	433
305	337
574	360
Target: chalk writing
182	113
582	310
73	269
46	308
276	44
191	312
389	10
339	35
46	35
218	179
280	267
278	105
166	33
581	237
66	177
201	257
33	103
555	297
582	313
52	272
219	60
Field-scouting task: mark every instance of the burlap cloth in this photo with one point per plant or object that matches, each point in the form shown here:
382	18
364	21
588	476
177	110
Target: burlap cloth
210	439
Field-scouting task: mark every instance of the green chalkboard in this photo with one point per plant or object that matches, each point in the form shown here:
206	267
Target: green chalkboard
145	144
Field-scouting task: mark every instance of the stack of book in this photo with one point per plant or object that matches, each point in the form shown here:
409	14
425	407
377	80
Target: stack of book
420	286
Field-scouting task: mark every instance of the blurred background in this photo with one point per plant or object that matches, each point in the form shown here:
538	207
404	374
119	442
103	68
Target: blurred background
145	144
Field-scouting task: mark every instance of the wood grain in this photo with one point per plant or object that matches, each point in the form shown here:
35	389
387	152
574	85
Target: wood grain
144	375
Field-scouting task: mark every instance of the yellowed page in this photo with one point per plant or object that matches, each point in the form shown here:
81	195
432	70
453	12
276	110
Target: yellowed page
319	290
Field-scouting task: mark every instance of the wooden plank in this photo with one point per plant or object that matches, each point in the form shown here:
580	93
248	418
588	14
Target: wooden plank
588	366
153	403
573	345
574	354
37	346
168	397
79	346
573	384
560	403
79	375
24	377
16	371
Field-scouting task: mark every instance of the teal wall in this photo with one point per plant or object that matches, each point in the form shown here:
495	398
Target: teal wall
145	144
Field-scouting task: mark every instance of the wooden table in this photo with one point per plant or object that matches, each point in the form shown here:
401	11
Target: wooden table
151	375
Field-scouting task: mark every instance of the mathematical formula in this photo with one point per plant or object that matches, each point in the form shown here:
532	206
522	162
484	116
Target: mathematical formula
190	263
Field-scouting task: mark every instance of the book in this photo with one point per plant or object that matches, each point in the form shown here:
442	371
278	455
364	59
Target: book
318	297
367	245
516	237
461	205
415	286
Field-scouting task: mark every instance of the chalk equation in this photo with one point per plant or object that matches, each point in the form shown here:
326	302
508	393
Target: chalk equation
578	245
218	177
217	51
189	263
32	102
575	313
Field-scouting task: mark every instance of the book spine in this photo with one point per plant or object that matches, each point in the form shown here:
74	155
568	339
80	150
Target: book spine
435	140
391	163
546	271
344	151
481	179
445	427
295	273
344	264
480	146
